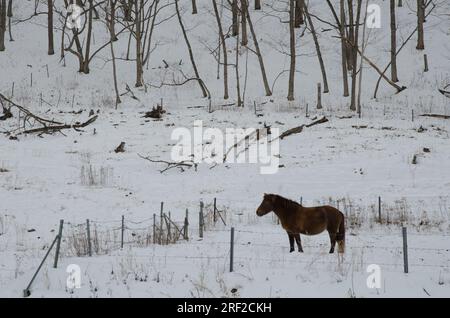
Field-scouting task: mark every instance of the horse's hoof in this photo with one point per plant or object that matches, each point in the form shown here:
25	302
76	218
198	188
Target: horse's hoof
300	251
291	250
331	252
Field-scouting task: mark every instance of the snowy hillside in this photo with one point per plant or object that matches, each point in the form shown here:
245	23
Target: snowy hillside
390	154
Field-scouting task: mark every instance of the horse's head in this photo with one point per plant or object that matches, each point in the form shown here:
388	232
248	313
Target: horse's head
266	205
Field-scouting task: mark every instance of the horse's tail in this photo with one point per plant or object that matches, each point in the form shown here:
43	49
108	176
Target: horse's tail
340	237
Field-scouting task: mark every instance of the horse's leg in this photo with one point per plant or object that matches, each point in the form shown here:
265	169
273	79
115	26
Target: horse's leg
299	243
332	241
291	242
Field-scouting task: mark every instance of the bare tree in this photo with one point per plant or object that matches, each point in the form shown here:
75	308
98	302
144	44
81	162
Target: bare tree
138	7
110	24
257	4
319	53
343	48
299	5
258	53
354	53
224	48
51	50
420	20
10	15
290	96
234	14
191	54
244	9
238	85
394	77
2	24
194	7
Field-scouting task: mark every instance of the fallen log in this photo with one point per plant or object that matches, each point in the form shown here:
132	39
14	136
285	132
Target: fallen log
50	129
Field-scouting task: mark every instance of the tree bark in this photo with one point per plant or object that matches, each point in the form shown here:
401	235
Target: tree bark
244	9
354	52
2	24
194	7
290	96
299	5
343	48
191	54
238	85
257	4
138	5
224	48
112	5
88	39
51	49
234	12
10	15
420	19
258	53
394	77
319	53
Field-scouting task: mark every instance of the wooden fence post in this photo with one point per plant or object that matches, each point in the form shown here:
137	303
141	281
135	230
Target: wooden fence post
425	62
122	231
200	220
405	249
169	236
88	231
58	243
231	249
319	96
186	226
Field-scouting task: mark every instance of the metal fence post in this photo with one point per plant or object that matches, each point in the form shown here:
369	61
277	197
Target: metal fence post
231	249
405	249
88	231
58	243
200	220
154	228
122	231
379	209
186	225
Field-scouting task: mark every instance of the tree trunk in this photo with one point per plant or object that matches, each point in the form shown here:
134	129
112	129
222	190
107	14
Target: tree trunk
258	53
10	15
299	4
420	19
138	5
344	49
238	85
244	8
394	77
290	96
354	52
400	3
224	48
361	62
319	53
51	49
191	54
112	5
194	7
88	39
351	35
257	4
2	24
234	12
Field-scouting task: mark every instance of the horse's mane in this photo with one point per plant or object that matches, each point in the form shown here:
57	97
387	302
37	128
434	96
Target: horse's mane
286	203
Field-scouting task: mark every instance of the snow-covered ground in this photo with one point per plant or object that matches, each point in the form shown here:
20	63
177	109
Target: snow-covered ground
348	162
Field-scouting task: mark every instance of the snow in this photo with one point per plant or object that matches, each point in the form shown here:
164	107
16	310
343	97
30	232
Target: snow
341	162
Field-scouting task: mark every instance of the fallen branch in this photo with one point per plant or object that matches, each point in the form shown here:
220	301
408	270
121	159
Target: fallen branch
50	129
436	116
299	129
173	164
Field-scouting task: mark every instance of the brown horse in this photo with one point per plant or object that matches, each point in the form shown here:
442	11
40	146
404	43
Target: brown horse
296	219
